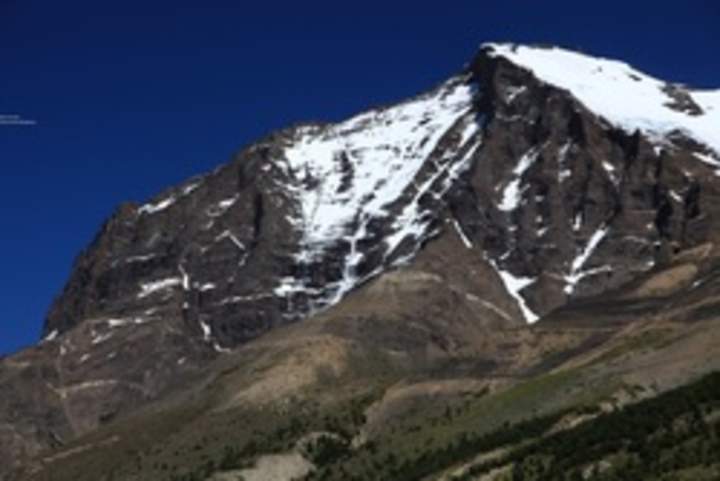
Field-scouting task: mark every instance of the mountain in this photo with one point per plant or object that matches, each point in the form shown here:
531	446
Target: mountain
532	241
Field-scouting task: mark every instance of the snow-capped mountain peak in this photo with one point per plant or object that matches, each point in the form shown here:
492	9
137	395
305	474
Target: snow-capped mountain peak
621	94
528	158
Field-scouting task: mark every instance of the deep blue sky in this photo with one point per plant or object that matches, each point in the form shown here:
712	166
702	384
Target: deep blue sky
133	96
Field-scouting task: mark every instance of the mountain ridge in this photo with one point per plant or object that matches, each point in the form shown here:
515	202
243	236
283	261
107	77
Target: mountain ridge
152	208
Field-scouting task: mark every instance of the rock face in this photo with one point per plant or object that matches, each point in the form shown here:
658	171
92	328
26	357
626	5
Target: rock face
288	228
576	201
570	175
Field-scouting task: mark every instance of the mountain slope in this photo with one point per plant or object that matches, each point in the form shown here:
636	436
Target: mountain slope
405	382
417	240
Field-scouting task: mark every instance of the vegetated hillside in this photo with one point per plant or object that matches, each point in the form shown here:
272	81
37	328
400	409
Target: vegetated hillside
533	241
352	394
675	435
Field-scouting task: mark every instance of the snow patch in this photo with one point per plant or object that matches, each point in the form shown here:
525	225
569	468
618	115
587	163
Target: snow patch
576	273
512	92
142	258
563	175
625	97
709	160
577	222
206	330
51	336
189	188
100	338
126	321
512	194
345	176
227	203
157	207
461	234
610	170
563	171
185	278
291	285
382	150
153	208
229	235
221	207
412	221
238	299
514	286
150	288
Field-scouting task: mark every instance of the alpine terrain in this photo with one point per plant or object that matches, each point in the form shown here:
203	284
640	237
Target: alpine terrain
512	276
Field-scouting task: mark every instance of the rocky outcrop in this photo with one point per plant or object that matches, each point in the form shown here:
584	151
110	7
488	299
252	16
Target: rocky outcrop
570	204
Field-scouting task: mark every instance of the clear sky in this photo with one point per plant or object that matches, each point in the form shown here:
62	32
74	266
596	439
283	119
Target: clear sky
133	96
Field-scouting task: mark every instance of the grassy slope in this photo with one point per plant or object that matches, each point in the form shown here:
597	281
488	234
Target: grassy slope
189	441
549	375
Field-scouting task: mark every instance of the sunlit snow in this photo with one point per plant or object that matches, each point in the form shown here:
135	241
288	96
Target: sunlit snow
512	194
619	93
514	285
347	175
157	207
149	288
52	336
576	273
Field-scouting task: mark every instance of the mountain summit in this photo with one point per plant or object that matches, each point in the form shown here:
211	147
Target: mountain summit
568	173
534	182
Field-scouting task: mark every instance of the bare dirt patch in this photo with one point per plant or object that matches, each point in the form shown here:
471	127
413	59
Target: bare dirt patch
275	467
667	282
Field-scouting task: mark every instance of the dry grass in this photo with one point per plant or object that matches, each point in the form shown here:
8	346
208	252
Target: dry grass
275	467
666	282
300	365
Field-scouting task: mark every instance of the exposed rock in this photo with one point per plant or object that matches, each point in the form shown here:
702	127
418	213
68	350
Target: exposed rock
505	193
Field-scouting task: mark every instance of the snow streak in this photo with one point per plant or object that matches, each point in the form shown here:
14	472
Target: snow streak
345	176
